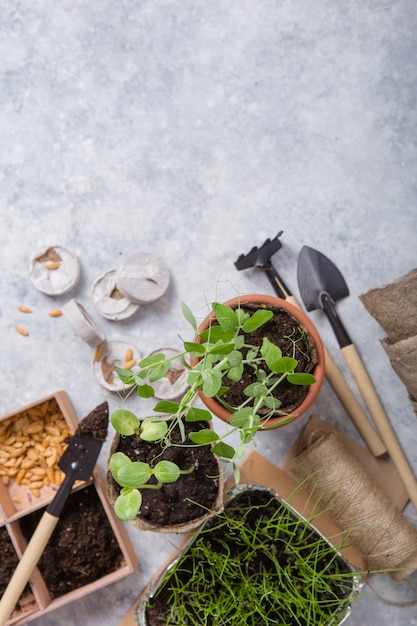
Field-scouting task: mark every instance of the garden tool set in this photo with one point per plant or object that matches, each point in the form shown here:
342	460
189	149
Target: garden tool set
321	285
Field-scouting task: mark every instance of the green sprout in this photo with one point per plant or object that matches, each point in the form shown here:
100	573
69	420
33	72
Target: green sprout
257	562
219	354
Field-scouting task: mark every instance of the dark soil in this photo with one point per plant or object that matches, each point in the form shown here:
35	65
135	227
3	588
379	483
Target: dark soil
192	494
251	509
8	563
284	331
82	548
96	423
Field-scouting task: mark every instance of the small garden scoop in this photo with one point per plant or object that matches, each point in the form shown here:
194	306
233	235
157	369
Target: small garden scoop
261	258
77	463
321	286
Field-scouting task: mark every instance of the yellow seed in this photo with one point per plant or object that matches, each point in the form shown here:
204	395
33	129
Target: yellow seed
17	500
5	480
32	454
129	355
128	364
27	464
25	309
52	430
55	313
20	476
22	331
98	353
53	265
36	492
4	454
39	471
36	427
36	484
50	474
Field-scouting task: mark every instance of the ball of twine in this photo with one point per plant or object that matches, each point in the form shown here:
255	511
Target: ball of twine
356	503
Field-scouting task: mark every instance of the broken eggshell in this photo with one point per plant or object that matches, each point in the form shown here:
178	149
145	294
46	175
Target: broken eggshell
114	353
54	270
109	299
142	277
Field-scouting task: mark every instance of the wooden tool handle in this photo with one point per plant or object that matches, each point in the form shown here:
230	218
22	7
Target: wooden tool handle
26	565
381	420
349	401
353	408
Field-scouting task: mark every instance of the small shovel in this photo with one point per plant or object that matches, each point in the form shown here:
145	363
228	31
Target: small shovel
77	463
321	286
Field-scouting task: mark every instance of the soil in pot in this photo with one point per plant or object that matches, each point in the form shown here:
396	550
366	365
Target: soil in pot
8	563
284	331
192	494
83	547
240	569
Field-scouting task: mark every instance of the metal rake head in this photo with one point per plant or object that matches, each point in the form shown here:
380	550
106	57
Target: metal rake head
259	256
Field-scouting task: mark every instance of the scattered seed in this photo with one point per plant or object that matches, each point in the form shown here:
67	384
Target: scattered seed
25	309
55	312
53	265
129	355
128	364
22	331
98	353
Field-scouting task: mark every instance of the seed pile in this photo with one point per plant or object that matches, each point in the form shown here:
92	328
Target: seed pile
31	444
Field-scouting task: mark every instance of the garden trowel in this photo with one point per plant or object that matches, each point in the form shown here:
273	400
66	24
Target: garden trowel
261	258
321	285
77	463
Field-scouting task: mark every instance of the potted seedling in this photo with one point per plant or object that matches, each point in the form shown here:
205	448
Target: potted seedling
256	562
236	344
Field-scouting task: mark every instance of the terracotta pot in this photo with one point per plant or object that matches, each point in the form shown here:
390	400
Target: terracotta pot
304	321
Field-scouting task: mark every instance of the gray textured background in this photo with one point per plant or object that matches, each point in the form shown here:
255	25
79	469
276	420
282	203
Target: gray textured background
196	130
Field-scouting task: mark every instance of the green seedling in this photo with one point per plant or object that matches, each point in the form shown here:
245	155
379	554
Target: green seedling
257	562
219	355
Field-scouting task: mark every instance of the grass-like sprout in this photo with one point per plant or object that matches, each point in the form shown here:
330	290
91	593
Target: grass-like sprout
256	563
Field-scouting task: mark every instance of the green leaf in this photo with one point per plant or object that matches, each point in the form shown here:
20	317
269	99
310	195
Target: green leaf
166	406
212	382
125	422
258	319
300	378
270	352
166	472
284	365
159	371
194	346
145	391
242	418
235	358
221	348
153	429
226	317
126	376
214	333
127	504
255	390
134	474
188	314
235	373
153	359
117	460
204	436
196	414
272	403
223	450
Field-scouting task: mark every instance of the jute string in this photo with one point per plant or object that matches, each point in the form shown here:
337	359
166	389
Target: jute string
386	539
